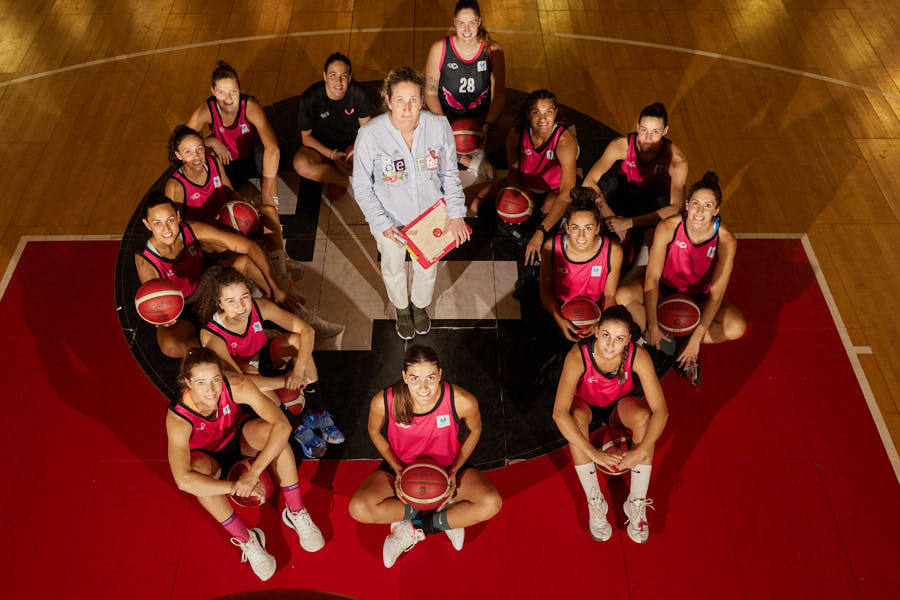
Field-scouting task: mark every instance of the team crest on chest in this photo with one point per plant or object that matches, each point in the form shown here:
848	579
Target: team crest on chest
324	115
226	410
443	421
217	182
549	154
244	128
257	326
452	66
596	271
681	244
711	252
482	65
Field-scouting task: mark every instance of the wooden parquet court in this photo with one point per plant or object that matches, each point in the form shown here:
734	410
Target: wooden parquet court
798	153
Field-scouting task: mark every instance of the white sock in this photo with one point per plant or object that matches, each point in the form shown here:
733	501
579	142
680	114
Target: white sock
587	475
277	257
640	482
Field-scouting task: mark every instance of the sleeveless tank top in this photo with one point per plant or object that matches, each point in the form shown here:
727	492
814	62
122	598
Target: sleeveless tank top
241	136
570	278
596	387
202	202
241	347
184	271
539	167
211	433
652	176
465	85
434	434
689	266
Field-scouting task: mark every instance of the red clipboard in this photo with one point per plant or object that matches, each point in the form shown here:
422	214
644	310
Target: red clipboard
426	238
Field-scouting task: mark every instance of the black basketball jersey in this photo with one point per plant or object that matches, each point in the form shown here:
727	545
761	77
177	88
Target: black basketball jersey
465	85
333	122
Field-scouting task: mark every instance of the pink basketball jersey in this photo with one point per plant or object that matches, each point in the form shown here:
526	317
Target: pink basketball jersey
184	271
434	434
242	347
572	278
689	266
241	136
202	202
596	387
539	167
211	433
653	175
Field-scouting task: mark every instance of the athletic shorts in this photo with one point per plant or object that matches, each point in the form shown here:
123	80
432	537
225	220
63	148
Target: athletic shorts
242	170
665	291
189	314
266	366
227	456
625	199
603	414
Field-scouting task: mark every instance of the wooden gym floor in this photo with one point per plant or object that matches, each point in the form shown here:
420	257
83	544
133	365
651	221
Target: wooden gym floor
795	103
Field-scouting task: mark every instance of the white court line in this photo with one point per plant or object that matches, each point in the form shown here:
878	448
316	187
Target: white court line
596	38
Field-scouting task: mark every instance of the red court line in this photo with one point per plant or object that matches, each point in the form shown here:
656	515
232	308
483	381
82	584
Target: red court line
770	481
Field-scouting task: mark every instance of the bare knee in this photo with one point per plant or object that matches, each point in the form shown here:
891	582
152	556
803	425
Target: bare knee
300	163
360	510
490	505
638	423
735	328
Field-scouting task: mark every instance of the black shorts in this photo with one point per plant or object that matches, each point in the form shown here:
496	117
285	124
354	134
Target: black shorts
603	414
242	170
230	454
384	466
625	199
267	367
666	291
189	314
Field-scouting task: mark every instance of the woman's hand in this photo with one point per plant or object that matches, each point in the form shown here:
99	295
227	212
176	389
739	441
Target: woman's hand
639	455
248	485
459	231
220	150
569	330
608	461
618	225
295	379
397	488
533	249
690	351
393	233
654	336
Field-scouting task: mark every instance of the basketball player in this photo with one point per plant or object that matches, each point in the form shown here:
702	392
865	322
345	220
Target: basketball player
692	254
641	177
199	185
423	414
176	251
405	161
465	73
208	433
579	262
234	331
599	381
331	113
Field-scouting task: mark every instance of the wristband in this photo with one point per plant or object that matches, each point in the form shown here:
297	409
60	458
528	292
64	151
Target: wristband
542	229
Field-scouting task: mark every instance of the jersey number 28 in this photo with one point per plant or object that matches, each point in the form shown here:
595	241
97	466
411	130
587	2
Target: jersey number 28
466	84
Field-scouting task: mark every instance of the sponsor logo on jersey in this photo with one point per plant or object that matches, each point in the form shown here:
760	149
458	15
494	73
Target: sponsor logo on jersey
201	426
562	270
482	65
403	425
443	421
452	66
221	129
631	164
597	271
217	182
226	410
170	274
349	112
549	154
195	195
324	115
527	151
681	244
711	252
244	128
257	326
593	379
234	344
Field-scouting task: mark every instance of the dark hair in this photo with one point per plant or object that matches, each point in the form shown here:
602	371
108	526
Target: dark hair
210	289
483	36
401	75
709	181
224	71
178	134
157	198
194	357
584	199
658	110
522	120
337	56
620	314
415	354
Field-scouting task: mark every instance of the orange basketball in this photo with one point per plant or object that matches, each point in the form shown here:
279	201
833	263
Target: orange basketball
349	157
241	467
467	133
615	441
424	484
240	216
514	205
581	311
678	315
159	301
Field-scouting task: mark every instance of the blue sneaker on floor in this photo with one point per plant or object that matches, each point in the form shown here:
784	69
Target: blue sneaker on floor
313	446
325	424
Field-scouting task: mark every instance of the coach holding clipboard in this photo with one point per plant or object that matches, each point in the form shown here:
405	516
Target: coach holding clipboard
405	161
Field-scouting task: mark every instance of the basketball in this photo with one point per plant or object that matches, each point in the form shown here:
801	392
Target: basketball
159	301
615	441
424	484
581	311
241	467
349	157
678	315
293	400
514	205
467	133
240	216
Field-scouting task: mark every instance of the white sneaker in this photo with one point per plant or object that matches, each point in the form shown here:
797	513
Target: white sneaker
309	535
457	536
600	528
262	563
402	538
636	513
324	329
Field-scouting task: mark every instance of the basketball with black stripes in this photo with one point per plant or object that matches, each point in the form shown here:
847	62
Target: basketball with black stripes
514	205
424	484
159	301
581	311
240	216
677	315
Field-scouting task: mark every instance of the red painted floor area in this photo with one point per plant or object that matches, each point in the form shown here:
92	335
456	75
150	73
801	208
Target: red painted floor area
770	481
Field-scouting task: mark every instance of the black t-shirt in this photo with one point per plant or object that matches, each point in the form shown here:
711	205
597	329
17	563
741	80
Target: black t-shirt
333	122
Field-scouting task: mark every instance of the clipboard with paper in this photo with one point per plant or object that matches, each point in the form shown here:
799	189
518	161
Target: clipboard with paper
426	238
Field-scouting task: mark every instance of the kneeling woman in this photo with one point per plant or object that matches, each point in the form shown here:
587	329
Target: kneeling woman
422	414
598	379
234	331
208	433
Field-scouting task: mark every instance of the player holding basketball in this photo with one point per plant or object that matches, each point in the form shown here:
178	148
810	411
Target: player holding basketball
641	177
199	184
405	161
465	73
599	379
579	262
208	433
234	331
331	113
422	414
692	254
176	250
